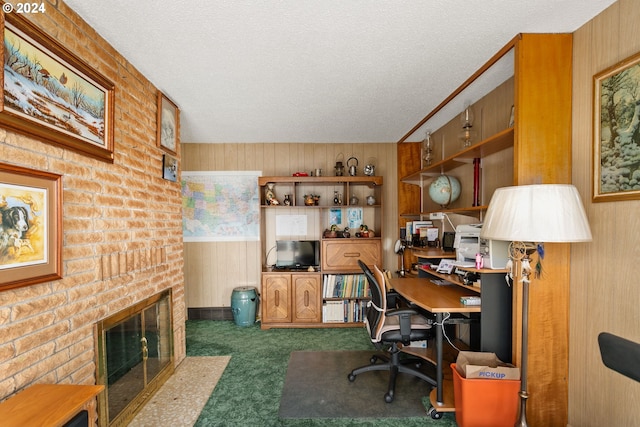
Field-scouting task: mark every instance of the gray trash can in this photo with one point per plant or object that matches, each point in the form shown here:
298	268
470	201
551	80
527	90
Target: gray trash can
244	300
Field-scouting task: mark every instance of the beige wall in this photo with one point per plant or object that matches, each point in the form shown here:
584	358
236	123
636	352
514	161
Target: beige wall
122	228
604	274
213	269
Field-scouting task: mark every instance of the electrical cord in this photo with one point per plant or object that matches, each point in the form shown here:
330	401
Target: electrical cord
453	227
444	333
266	258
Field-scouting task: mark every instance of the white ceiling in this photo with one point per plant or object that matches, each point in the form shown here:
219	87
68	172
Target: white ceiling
316	70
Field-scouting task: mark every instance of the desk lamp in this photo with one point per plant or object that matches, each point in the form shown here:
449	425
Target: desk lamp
528	216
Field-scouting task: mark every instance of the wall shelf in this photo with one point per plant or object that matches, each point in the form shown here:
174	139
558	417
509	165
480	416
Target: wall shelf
498	142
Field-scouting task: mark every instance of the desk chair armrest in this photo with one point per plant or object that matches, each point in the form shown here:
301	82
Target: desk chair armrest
404	321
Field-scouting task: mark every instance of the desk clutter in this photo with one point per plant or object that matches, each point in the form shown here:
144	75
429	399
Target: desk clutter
461	274
471	300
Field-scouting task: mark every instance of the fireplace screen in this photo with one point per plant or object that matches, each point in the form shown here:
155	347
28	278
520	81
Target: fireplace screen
135	356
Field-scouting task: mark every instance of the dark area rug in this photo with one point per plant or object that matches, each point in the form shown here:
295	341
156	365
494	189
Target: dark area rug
316	386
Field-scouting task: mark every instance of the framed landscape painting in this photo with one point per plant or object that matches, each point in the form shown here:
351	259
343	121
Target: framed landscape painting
31	227
51	94
616	129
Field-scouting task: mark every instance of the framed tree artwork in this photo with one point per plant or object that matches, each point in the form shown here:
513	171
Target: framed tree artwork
167	124
616	125
31	227
51	94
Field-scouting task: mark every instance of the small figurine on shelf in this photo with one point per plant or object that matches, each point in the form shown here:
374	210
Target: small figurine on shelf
364	231
287	200
331	233
345	233
311	199
337	198
270	196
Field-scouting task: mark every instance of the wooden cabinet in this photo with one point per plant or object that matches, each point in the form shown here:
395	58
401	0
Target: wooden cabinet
342	255
276	298
532	76
291	298
307	301
297	299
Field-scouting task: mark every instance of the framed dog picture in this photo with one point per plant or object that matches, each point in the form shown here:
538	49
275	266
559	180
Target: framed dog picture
169	168
31	228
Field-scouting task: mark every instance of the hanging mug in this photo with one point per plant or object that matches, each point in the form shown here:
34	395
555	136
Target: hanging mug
353	169
370	170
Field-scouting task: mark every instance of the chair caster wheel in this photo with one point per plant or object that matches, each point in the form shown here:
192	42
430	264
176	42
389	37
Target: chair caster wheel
434	414
373	359
388	397
351	377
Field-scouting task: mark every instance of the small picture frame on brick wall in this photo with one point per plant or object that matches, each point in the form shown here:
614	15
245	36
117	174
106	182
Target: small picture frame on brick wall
167	124
53	95
169	168
31	227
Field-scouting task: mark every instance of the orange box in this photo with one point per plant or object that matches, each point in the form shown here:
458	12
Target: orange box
485	403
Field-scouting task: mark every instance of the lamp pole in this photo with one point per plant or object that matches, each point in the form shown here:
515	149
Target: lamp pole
522	422
519	253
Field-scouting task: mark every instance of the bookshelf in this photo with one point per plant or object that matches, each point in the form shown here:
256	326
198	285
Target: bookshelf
345	298
294	299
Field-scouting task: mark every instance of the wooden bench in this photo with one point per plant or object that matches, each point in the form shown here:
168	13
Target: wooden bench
49	405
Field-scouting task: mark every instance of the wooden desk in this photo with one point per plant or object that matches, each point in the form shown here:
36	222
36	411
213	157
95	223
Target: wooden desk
48	405
438	300
434	298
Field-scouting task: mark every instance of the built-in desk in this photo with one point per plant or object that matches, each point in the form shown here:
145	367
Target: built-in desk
445	300
496	293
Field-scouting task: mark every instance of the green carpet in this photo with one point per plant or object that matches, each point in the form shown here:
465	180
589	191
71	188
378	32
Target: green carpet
248	393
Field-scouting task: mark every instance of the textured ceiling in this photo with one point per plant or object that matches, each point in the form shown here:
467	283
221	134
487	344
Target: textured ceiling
316	70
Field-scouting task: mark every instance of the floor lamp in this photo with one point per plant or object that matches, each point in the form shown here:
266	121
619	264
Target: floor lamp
528	216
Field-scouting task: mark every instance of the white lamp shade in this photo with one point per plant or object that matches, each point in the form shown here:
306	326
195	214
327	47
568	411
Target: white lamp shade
536	213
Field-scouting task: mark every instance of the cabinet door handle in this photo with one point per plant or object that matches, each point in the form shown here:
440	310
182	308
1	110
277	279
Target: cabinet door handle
352	254
306	298
277	298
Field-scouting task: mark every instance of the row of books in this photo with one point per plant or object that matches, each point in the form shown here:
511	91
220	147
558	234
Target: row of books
344	311
345	286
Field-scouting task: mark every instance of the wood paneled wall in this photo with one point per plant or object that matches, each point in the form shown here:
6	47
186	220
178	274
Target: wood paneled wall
604	292
213	269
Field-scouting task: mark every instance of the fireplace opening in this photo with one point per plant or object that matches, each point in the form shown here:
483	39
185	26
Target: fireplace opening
135	357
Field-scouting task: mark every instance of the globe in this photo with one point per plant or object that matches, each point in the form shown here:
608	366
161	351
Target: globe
444	190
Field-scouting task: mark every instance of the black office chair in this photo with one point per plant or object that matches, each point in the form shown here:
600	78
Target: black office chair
389	327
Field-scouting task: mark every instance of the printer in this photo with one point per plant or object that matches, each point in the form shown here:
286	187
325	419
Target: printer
495	253
467	243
